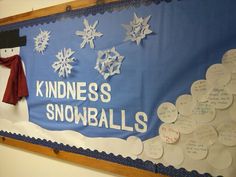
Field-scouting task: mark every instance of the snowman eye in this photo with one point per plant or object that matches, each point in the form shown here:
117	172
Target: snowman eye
5	50
12	50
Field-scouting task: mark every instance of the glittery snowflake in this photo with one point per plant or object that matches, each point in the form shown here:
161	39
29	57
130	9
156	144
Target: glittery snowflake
41	41
88	34
138	29
109	62
62	66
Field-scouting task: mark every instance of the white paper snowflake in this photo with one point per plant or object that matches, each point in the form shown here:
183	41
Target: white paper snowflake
137	29
88	34
109	62
41	41
62	66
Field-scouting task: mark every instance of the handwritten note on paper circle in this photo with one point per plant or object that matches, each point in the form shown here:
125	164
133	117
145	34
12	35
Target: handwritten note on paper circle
168	133
185	104
232	112
231	86
135	144
206	134
184	124
219	158
220	98
167	112
195	150
229	60
200	90
173	155
153	149
227	134
203	112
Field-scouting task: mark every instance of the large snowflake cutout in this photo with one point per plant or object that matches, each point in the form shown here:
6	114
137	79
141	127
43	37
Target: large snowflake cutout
109	62
41	41
137	29
63	66
88	34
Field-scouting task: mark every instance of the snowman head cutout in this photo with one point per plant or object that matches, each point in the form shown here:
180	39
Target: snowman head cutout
10	43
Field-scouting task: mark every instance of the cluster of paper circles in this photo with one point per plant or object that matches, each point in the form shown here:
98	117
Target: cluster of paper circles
194	116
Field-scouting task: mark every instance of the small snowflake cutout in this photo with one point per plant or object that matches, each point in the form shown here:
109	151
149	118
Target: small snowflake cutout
109	62
41	41
62	66
138	29
88	34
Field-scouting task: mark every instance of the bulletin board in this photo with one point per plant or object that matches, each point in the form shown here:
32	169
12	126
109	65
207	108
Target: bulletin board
147	84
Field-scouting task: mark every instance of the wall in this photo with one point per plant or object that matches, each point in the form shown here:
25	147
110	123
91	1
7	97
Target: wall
18	163
14	7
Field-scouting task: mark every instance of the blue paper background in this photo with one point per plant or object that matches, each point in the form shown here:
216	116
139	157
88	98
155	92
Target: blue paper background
189	36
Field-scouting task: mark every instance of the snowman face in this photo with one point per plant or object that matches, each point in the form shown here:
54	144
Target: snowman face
8	52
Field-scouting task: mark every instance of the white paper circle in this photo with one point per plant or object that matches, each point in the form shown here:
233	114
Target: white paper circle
206	134
173	155
219	158
231	86
185	104
232	112
227	134
195	150
168	133
218	75
135	144
185	124
220	98
153	149
229	60
200	90
167	112
203	112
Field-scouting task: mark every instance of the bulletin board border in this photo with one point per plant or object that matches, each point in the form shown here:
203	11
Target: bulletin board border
158	169
72	9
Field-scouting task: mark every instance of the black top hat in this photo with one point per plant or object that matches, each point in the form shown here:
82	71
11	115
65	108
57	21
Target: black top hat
10	39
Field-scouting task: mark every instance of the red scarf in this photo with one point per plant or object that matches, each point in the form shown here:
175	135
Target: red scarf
16	85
